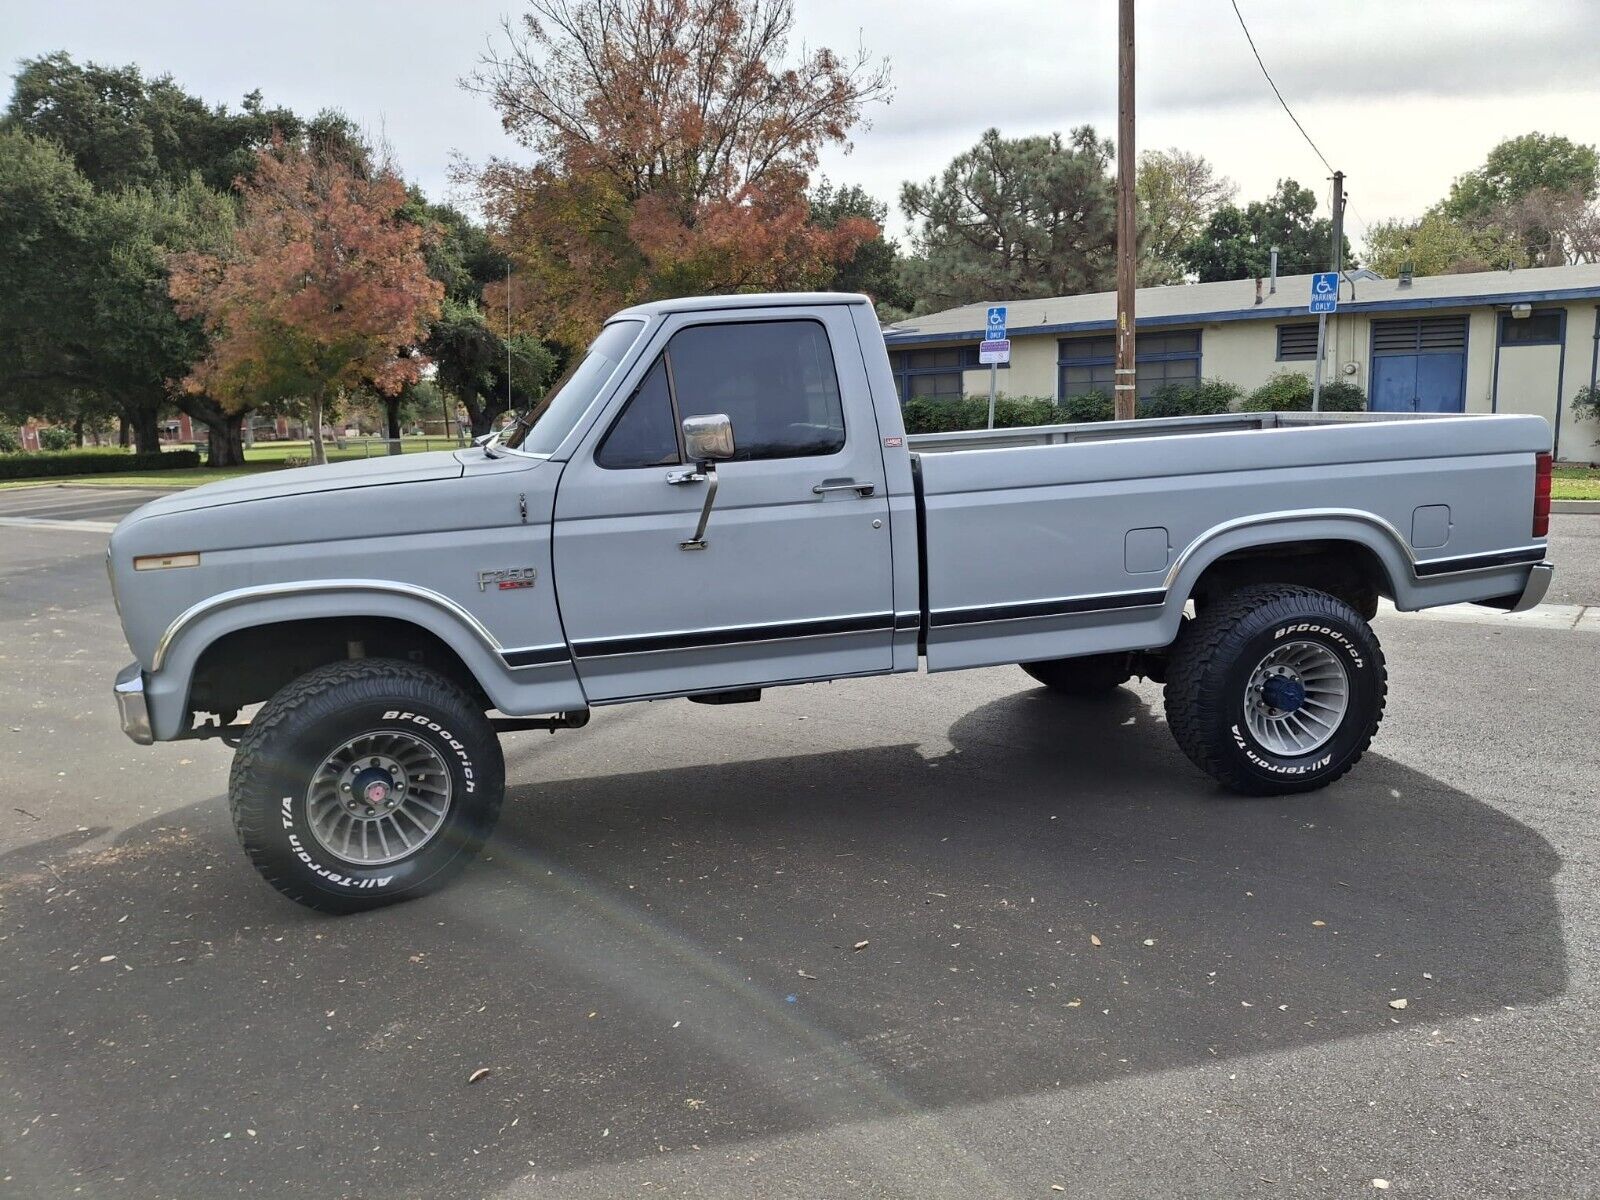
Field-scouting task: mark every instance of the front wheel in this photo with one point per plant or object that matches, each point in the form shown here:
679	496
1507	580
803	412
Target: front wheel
1275	689
363	783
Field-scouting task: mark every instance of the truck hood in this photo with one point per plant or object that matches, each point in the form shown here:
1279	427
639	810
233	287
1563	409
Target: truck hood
302	481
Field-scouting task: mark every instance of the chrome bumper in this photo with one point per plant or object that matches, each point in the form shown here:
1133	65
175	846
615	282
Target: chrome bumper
1533	591
131	706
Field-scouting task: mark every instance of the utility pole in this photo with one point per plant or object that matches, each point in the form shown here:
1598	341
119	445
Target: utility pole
1125	389
1338	266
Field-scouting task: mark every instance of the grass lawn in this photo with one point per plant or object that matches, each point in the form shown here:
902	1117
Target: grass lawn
1575	483
265	456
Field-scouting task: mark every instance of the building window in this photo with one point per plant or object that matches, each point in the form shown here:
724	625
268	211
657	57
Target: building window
1088	364
1297	343
1536	329
933	374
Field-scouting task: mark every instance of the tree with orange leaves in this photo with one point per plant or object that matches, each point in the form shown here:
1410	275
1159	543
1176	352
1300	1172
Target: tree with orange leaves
325	288
673	146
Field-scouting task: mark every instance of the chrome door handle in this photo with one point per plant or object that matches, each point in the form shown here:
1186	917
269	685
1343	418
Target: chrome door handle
843	485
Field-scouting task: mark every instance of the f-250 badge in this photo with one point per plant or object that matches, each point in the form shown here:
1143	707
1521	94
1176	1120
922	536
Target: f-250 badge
508	579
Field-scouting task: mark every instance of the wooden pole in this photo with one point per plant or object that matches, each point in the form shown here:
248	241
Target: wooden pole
1126	387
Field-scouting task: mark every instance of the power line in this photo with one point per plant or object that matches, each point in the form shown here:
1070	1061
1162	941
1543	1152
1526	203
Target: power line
1268	77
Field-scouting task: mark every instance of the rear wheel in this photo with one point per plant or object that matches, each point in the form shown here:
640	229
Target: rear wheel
1275	689
363	783
1089	675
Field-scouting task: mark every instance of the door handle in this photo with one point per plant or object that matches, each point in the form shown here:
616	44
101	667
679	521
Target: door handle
842	485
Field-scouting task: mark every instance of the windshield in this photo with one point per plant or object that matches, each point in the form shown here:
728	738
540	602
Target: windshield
543	427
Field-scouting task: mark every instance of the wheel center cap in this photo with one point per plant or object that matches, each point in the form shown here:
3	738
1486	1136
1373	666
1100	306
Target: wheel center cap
1283	693
377	793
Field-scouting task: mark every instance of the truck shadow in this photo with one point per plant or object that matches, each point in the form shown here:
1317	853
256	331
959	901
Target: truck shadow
749	949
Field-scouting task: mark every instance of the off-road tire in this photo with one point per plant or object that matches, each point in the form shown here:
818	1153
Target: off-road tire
1210	667
1086	676
306	721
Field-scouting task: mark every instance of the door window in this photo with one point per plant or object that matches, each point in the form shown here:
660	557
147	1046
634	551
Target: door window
774	380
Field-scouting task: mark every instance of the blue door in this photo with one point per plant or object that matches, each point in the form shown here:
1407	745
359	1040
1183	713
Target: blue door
1419	364
1394	383
1439	380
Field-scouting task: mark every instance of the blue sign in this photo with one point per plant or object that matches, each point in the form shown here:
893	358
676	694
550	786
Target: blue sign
995	324
1325	292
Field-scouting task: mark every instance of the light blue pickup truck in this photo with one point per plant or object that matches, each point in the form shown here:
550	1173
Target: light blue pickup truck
720	497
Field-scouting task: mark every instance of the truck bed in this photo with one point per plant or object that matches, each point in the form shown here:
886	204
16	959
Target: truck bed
1077	539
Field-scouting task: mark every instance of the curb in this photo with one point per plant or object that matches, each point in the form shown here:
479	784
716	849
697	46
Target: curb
1586	507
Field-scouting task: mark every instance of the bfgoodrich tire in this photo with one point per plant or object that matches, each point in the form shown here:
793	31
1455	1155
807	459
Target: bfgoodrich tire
1275	689
1089	675
364	783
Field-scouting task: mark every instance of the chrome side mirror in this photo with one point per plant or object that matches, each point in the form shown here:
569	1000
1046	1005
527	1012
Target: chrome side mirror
708	438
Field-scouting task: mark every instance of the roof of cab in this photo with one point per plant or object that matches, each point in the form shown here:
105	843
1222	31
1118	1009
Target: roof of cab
658	308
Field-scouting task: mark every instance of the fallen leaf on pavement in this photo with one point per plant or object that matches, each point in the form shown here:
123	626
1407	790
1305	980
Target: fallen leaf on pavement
477	1075
1094	939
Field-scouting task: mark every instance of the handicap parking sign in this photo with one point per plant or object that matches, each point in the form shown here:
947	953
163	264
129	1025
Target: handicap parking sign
995	328
1325	292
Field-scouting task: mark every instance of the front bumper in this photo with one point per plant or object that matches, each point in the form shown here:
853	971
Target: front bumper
1536	587
131	706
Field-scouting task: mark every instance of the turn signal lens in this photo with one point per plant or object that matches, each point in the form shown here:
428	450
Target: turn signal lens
160	562
1541	495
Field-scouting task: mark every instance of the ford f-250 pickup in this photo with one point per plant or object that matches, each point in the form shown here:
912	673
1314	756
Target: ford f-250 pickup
721	498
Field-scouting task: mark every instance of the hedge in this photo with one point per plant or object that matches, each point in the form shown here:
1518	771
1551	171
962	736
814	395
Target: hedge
1290	391
45	465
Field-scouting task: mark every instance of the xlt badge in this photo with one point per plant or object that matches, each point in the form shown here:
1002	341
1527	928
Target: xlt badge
508	579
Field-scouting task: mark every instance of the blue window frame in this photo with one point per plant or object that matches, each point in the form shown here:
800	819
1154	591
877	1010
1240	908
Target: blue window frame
1543	327
1088	364
933	373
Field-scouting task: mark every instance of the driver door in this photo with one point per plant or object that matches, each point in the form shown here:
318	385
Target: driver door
794	580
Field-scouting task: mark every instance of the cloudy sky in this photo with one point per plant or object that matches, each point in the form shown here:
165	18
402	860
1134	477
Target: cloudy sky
1400	94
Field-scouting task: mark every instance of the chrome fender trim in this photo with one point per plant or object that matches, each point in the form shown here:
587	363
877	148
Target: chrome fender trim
225	600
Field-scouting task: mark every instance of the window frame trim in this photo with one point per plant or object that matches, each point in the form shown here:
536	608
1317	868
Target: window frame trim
1197	356
665	356
1508	321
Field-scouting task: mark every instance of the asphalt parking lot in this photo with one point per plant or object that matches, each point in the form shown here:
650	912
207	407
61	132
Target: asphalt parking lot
840	943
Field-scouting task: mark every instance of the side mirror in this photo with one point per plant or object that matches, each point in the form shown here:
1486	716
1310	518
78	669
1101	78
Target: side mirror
708	438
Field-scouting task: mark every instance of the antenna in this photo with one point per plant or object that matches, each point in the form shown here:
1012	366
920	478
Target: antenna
508	334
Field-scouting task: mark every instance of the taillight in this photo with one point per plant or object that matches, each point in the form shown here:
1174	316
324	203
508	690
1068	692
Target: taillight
1541	495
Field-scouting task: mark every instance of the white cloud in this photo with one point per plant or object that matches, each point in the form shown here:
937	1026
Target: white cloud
1401	94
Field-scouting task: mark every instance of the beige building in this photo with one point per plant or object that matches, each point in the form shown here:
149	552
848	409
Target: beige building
1517	341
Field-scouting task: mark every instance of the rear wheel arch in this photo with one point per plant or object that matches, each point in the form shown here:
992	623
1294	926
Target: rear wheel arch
1353	560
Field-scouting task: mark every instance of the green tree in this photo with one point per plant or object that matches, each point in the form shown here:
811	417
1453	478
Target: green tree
1236	243
875	267
84	310
473	364
1014	218
1438	244
1177	192
123	130
1521	165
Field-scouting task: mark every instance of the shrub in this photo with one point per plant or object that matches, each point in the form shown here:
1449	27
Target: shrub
56	437
1201	398
8	441
1586	403
972	412
46	464
1290	391
1092	406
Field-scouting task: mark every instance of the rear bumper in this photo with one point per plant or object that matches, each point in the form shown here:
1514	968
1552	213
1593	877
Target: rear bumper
132	709
1536	587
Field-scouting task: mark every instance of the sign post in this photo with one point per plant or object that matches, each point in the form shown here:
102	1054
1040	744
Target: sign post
994	349
1324	300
